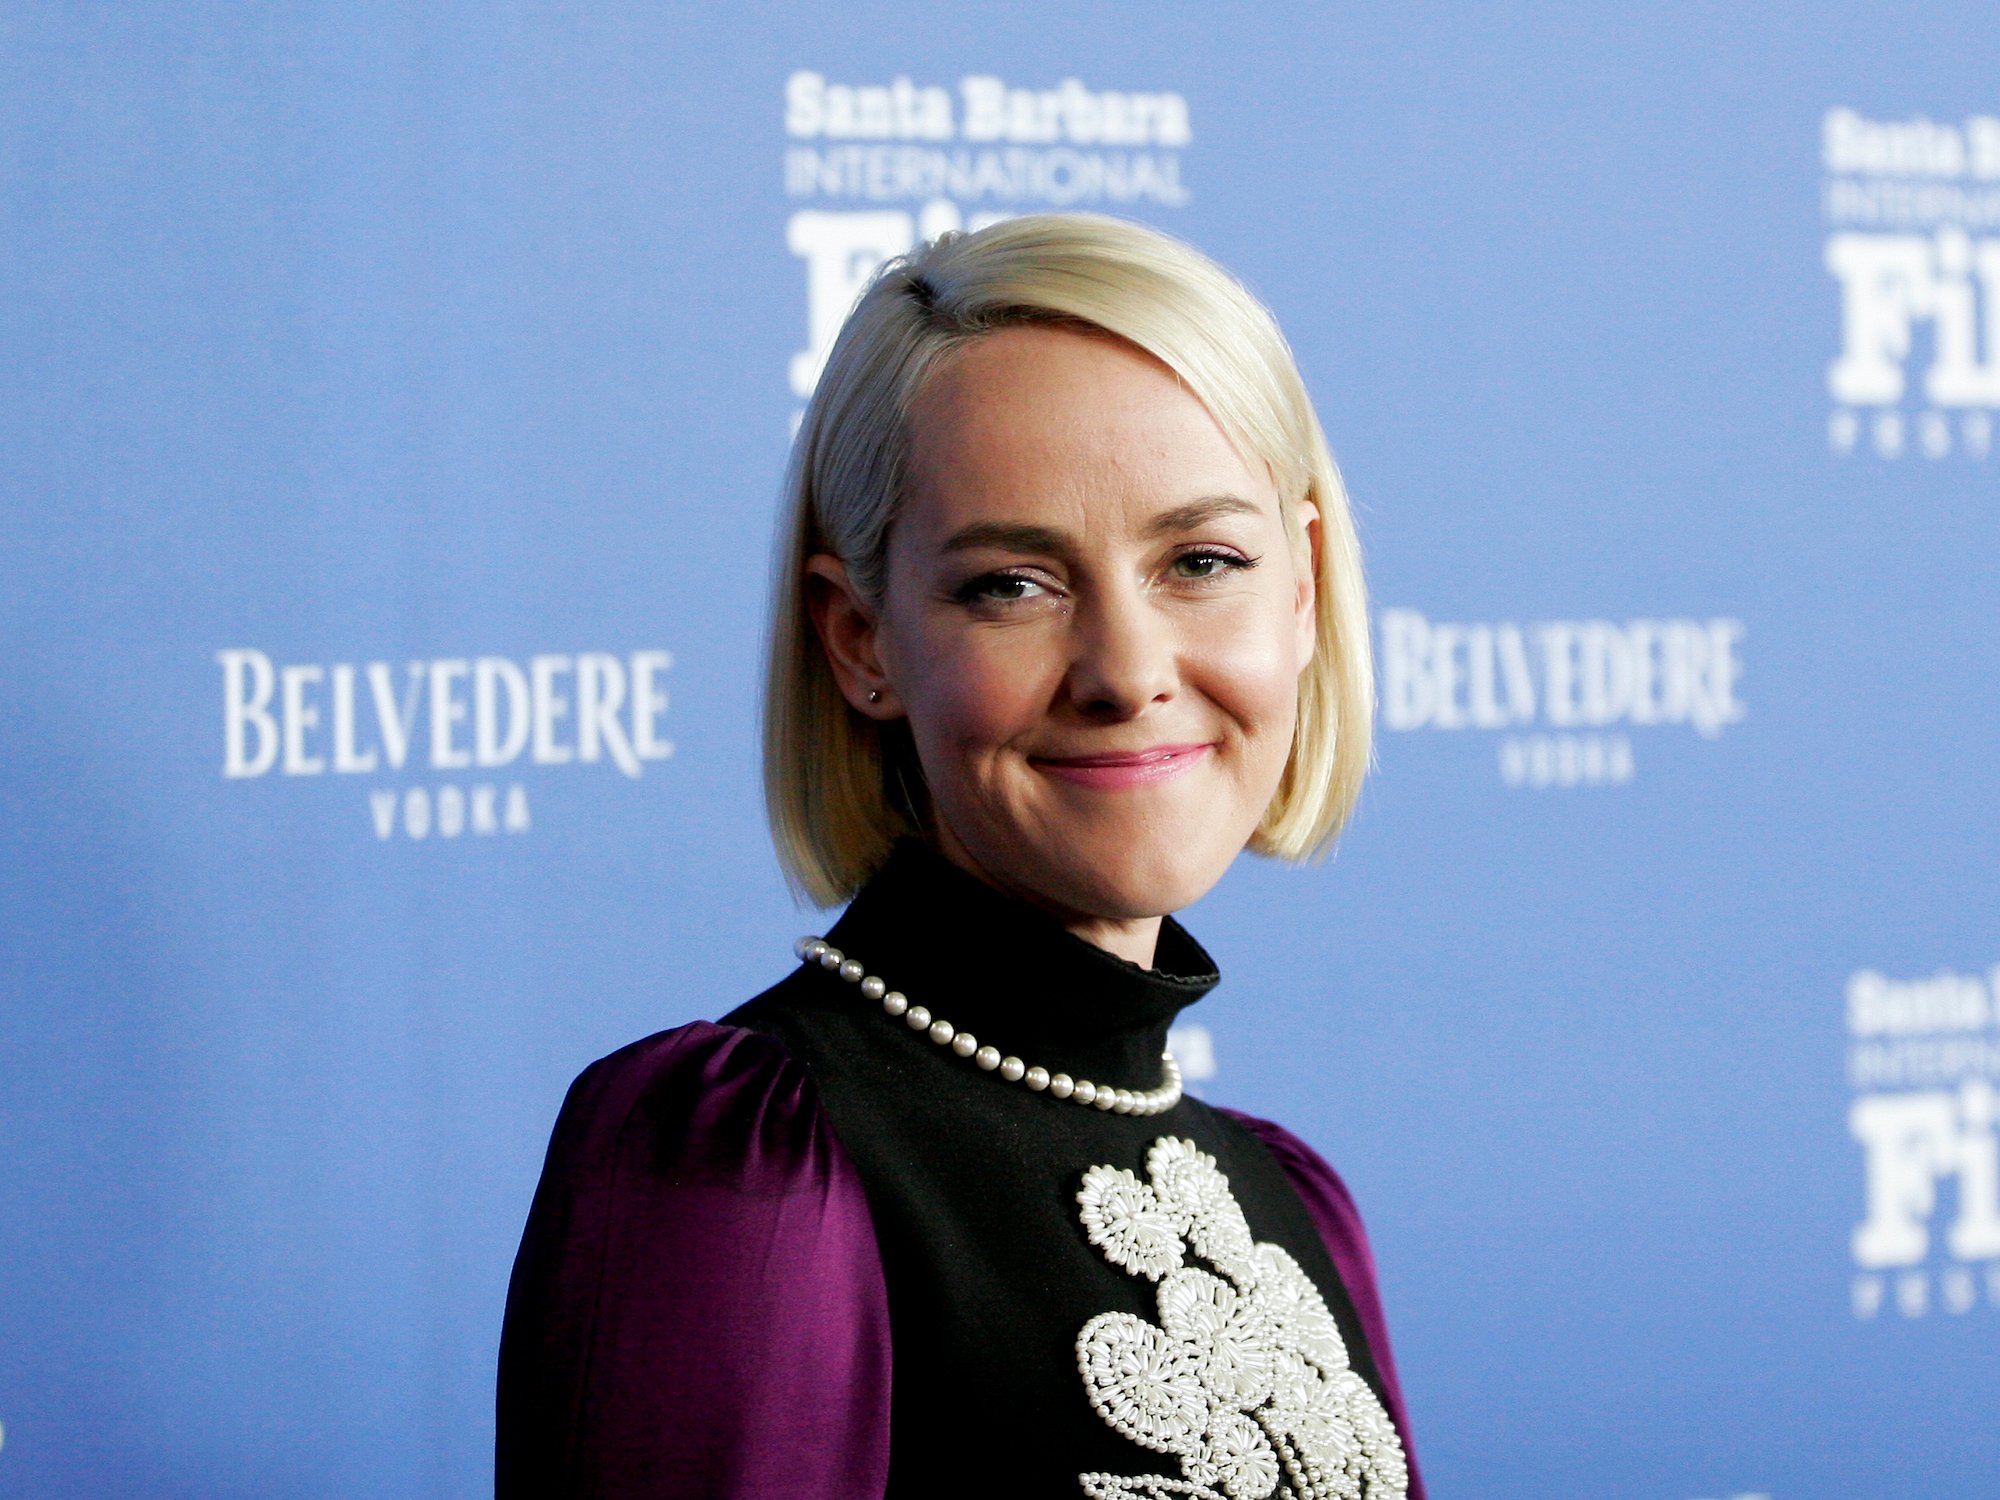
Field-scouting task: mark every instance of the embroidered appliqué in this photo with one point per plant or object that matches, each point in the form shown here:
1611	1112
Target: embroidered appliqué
1245	1378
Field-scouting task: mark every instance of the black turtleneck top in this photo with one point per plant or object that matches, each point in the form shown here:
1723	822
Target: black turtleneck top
809	1252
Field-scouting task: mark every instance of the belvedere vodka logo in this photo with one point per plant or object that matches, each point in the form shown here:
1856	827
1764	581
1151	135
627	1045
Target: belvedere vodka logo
1913	214
440	743
875	167
1562	698
1924	1062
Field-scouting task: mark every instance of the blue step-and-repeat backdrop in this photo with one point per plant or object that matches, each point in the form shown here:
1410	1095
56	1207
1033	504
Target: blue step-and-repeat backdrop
394	404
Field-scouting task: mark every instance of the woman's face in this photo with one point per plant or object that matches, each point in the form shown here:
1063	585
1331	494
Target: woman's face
1094	623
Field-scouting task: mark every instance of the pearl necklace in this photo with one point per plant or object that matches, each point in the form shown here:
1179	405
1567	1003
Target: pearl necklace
895	1004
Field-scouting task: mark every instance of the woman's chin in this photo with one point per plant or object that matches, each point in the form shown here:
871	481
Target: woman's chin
1084	863
1131	881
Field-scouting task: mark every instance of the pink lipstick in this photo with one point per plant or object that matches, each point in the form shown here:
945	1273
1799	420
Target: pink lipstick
1125	768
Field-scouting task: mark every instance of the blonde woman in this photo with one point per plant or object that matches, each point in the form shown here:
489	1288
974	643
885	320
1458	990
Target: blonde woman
1070	613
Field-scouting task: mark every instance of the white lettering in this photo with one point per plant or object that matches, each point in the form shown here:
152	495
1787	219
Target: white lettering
1904	148
490	746
1908	1140
447	713
805	114
1559	673
1446	677
482	711
395	721
450	812
383	806
1406	682
1071	112
346	760
548	707
649	702
1514	667
417	813
1725	669
300	716
1885	285
1891	283
1880	1006
1580	674
1912	1140
1604	672
1975	1234
841	251
1482	706
897	111
247	682
600	693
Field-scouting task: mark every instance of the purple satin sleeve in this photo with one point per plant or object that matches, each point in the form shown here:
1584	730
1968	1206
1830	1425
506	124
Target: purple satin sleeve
1339	1223
697	1308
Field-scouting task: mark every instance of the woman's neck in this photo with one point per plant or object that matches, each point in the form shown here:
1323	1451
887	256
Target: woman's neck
1134	939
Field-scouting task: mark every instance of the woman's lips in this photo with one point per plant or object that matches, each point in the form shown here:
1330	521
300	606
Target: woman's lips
1123	768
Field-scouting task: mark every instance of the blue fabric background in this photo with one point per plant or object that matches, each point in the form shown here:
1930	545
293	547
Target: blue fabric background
356	333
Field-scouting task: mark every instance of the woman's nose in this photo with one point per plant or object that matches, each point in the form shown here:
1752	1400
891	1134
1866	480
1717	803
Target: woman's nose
1123	657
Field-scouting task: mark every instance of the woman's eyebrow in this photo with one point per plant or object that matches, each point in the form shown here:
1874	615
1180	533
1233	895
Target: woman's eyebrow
1006	536
1018	537
1199	513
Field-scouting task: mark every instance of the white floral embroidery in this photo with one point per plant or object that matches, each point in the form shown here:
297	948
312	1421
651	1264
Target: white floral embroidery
1130	1223
1143	1382
1245	1378
1190	1180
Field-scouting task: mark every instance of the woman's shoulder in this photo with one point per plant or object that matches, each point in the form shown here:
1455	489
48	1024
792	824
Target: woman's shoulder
686	1056
702	1091
698	1305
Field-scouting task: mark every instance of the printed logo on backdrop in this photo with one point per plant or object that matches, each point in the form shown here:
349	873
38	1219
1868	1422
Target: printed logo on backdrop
1912	209
1923	1059
440	745
1563	703
874	167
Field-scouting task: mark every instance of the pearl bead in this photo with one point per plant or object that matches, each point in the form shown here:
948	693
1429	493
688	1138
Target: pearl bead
1059	1085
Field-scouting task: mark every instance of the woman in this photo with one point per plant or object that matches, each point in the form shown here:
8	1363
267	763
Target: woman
1070	613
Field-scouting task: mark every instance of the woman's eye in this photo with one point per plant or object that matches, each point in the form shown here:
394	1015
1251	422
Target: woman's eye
1209	564
998	588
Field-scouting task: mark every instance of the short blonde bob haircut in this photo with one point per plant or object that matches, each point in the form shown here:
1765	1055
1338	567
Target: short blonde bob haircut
841	788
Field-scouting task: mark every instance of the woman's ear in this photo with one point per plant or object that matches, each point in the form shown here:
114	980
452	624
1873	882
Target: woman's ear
850	633
1306	604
